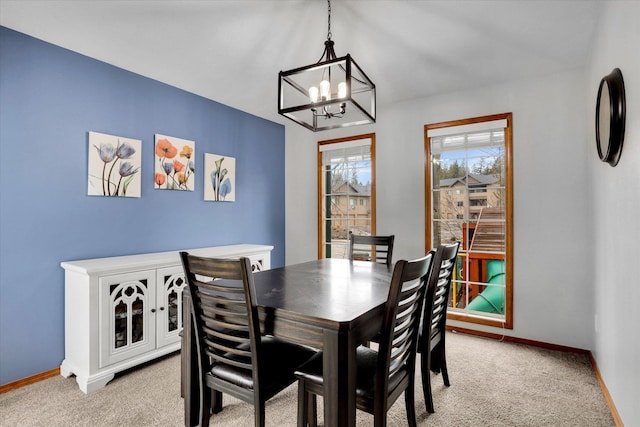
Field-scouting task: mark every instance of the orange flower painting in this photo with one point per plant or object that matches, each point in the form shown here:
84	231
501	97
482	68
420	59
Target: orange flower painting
165	149
175	168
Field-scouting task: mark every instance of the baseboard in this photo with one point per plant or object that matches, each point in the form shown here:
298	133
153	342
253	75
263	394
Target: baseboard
605	392
29	380
533	343
517	340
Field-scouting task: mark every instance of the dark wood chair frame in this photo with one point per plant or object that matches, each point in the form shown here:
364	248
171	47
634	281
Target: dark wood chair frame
375	248
392	369
431	343
233	356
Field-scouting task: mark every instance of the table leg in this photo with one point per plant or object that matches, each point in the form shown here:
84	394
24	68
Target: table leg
339	372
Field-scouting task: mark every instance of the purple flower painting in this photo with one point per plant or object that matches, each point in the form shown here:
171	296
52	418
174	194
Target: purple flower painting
114	166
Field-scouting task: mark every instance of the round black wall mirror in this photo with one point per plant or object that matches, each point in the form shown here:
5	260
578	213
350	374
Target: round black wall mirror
610	117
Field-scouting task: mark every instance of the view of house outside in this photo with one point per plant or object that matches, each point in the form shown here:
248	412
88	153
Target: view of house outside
468	205
347	202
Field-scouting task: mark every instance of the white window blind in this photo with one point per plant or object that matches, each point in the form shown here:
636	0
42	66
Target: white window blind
470	128
476	136
348	151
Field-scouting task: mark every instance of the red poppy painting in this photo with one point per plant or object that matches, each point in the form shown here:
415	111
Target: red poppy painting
175	166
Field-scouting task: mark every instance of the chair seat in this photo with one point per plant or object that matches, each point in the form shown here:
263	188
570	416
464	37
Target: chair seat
367	361
279	359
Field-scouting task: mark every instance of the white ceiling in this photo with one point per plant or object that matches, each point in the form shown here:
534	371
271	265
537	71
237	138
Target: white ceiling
232	50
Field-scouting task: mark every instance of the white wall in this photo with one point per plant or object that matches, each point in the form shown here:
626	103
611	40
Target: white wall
577	226
552	290
615	204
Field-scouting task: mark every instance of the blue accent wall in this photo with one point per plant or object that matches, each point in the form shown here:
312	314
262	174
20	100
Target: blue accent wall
50	98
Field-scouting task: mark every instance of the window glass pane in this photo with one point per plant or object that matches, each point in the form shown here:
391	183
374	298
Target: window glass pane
451	203
448	168
447	231
486	162
468	203
347	184
497	198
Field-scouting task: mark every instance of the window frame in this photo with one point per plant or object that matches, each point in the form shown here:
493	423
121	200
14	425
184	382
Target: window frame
507	323
320	189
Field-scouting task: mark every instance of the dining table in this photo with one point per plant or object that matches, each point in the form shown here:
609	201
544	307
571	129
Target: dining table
330	304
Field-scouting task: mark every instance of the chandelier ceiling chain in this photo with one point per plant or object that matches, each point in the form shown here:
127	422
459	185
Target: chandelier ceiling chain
329	20
328	52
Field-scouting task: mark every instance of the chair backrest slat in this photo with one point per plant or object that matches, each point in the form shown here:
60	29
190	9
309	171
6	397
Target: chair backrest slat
371	248
224	311
397	346
437	296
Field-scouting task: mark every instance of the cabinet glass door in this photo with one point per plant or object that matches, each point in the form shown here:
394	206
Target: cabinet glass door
171	282
127	304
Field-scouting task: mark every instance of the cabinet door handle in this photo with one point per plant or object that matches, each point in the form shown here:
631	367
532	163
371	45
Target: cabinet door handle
153	310
161	308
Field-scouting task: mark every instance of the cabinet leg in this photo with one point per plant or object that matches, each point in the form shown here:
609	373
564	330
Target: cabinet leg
65	370
95	383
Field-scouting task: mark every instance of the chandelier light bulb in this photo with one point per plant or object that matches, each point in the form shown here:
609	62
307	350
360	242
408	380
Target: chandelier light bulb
313	93
325	90
342	90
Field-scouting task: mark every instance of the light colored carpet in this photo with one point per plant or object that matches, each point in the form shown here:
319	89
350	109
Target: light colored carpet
492	384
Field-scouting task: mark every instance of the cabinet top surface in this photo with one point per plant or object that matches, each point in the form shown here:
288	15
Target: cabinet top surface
159	259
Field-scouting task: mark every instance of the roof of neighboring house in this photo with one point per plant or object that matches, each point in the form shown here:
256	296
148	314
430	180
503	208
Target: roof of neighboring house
361	190
475	179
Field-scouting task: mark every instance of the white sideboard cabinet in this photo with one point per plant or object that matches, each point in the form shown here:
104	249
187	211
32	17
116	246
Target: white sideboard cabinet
126	310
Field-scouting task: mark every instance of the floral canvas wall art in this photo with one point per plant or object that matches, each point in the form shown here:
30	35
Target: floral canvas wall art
175	168
114	166
219	178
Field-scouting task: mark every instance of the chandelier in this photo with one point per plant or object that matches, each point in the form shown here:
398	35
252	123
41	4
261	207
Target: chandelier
332	93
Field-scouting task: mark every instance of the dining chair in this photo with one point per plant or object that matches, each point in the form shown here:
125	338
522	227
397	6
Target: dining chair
382	375
233	357
374	249
371	248
431	341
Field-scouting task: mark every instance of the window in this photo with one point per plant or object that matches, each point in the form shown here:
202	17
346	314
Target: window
346	192
474	156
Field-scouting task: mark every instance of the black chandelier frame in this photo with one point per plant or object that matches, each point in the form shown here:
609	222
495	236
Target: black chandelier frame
357	107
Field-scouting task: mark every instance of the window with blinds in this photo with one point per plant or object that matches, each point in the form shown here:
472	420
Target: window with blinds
469	199
346	192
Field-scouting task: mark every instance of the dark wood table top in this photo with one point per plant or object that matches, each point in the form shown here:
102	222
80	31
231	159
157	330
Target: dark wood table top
330	290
